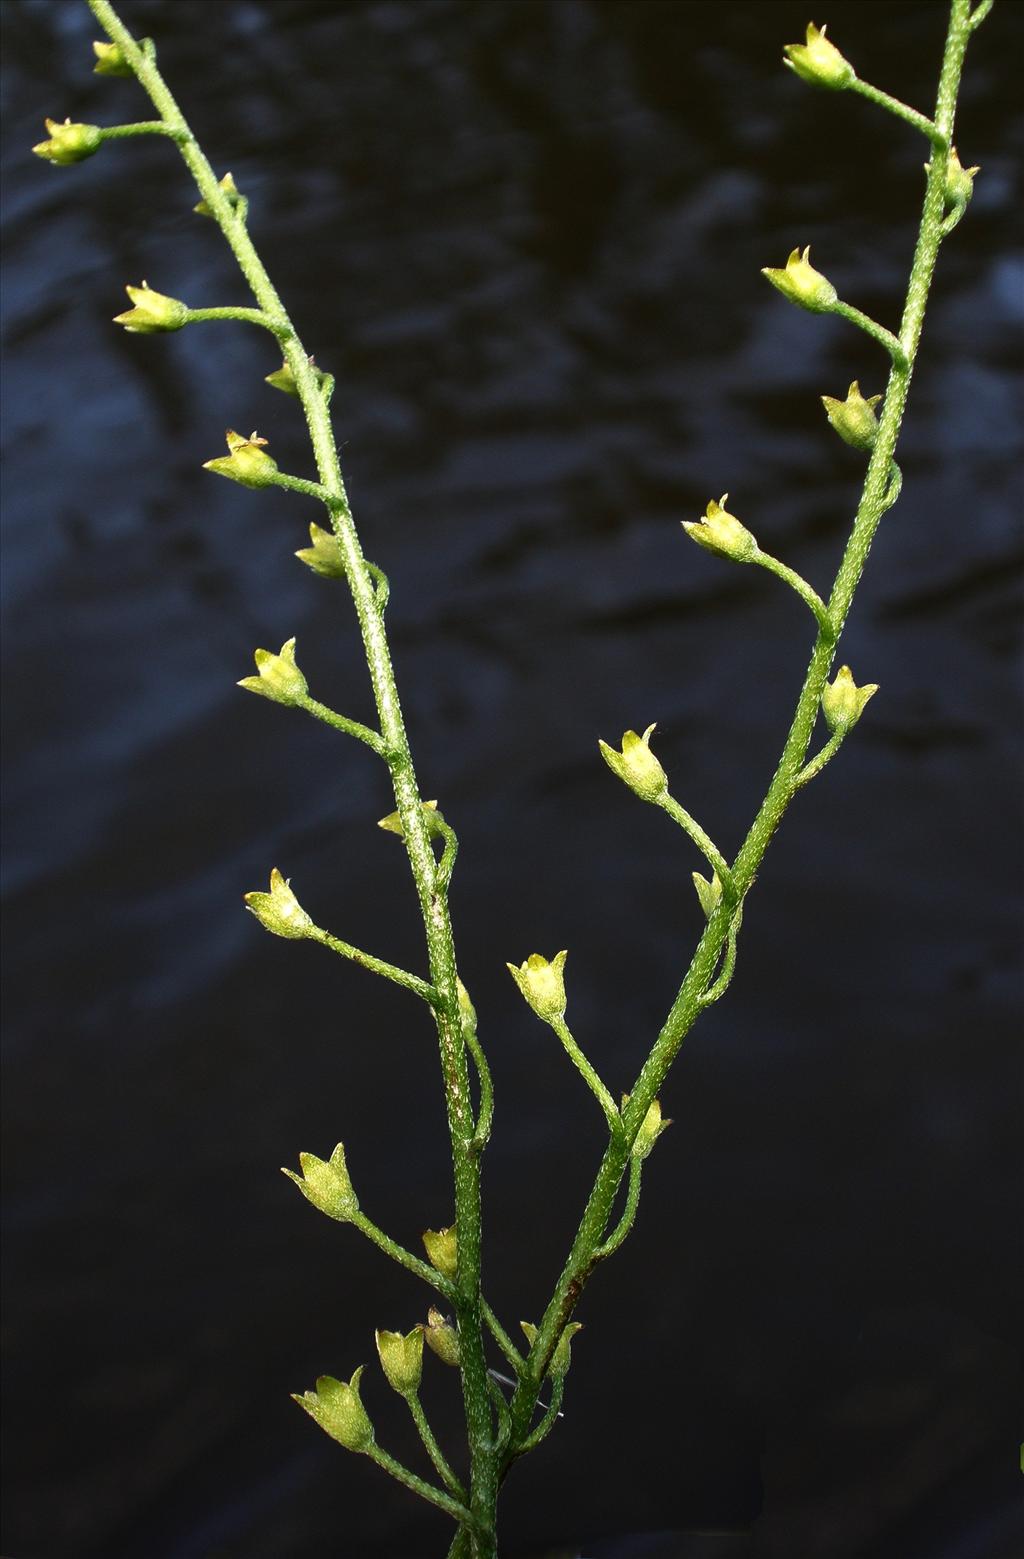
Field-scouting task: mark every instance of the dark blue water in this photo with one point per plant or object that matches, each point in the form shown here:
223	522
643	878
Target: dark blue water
525	237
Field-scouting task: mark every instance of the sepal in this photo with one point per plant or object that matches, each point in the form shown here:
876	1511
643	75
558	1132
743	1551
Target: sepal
401	1359
247	461
542	984
722	533
232	194
802	284
562	1356
636	765
279	911
842	701
818	61
279	677
709	893
441	1338
442	1250
335	1405
152	312
853	419
68	143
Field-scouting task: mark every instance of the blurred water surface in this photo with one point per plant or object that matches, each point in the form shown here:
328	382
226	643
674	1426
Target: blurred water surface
525	236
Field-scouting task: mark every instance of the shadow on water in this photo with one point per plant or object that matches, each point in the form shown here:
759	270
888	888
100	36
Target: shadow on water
524	235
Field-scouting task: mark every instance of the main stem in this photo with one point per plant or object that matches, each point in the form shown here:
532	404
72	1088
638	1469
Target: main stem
584	1253
433	901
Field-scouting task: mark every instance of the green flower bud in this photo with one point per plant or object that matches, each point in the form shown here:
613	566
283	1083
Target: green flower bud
279	910
327	1186
111	62
709	893
151	312
467	1012
959	181
853	419
636	765
651	1129
235	199
69	143
283	379
562	1356
392	824
542	984
802	284
336	1407
279	677
441	1338
401	1359
722	533
819	61
247	462
842	701
324	557
441	1249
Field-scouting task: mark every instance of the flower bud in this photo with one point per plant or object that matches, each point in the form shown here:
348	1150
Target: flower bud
279	910
636	765
842	701
802	284
542	984
392	824
279	677
69	143
819	61
232	194
327	1186
247	462
283	379
441	1338
562	1356
324	557
650	1130
401	1359
709	893
441	1249
853	419
959	181
336	1407
722	533
467	1012
111	62
151	312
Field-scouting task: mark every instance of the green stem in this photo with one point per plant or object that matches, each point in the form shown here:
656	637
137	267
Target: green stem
872	328
411	982
362	733
710	851
299	484
818	762
799	584
141	127
432	900
901	110
547	1423
727	968
451	1507
403	1257
589	1075
433	1450
785	782
485	1115
501	1337
979	14
247	317
625	1223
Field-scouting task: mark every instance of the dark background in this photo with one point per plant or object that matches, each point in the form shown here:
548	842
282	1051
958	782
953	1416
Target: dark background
526	238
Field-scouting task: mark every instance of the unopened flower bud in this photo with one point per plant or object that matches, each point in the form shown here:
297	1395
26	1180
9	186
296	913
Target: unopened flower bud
232	194
69	142
467	1012
401	1359
709	893
111	62
327	1185
279	677
336	1407
819	61
636	765
441	1338
562	1356
392	824
542	984
842	701
959	181
247	462
279	910
802	284
722	533
283	379
441	1249
650	1130
152	312
853	419
324	557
